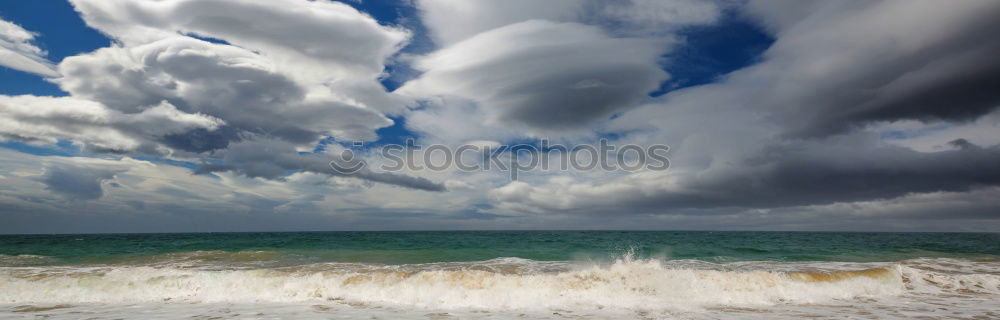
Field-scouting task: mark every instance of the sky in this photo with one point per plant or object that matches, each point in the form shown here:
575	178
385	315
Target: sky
223	115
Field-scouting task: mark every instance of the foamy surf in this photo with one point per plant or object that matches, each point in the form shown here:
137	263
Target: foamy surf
637	284
504	286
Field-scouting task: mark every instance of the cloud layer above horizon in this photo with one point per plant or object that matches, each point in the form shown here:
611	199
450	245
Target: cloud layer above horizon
222	115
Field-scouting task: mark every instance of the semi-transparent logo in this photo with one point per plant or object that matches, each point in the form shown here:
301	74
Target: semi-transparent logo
514	159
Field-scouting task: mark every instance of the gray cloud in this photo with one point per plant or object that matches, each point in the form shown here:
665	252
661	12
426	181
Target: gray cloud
821	133
558	69
841	66
77	182
807	125
451	21
47	119
273	159
222	81
810	174
789	175
560	75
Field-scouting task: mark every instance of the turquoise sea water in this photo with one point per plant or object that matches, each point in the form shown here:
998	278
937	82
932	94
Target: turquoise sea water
290	248
501	275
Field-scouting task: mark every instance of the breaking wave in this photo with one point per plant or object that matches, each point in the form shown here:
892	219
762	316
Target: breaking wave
506	283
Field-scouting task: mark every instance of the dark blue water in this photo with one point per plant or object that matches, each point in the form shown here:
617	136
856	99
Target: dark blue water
424	247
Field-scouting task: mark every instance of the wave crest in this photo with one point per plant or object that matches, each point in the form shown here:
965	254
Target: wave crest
507	283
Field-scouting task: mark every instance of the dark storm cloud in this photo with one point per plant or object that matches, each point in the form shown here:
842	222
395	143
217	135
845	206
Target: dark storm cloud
842	66
961	94
791	174
794	175
200	140
800	128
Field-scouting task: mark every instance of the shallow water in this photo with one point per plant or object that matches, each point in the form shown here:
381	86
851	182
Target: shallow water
439	275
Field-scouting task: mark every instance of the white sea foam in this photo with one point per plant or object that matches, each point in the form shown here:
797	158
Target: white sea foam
510	286
624	284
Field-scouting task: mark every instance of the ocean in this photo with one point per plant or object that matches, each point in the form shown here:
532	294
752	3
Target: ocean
501	275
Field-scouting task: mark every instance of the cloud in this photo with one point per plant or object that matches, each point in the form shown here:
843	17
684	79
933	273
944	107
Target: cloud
840	66
296	70
833	171
48	119
154	196
18	53
509	70
273	159
788	176
324	45
189	79
78	181
972	205
658	17
770	136
327	31
451	21
308	201
231	83
848	121
937	136
559	75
